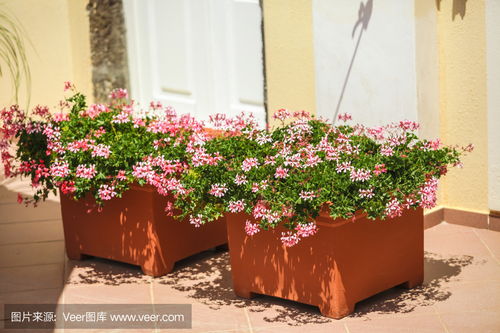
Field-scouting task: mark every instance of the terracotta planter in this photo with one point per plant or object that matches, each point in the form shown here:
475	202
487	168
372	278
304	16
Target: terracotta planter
135	229
344	263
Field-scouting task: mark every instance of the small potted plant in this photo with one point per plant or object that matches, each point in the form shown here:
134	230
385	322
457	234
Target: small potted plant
321	214
116	169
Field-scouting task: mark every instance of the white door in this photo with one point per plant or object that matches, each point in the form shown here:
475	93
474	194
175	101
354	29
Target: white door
199	56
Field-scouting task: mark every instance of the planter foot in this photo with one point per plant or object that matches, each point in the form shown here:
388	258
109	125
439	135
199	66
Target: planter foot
222	247
413	282
244	293
77	256
337	312
157	271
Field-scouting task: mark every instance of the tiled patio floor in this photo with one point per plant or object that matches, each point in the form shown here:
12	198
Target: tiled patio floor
461	292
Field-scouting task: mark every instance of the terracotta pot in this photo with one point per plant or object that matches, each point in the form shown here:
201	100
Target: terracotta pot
344	263
135	229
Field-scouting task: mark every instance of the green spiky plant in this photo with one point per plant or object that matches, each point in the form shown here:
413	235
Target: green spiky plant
13	58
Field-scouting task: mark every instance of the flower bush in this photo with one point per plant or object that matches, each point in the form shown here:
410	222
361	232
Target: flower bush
305	166
284	176
100	149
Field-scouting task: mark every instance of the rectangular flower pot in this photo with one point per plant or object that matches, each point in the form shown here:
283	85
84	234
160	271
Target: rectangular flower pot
344	263
135	229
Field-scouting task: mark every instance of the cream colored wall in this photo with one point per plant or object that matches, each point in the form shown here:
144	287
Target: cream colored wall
493	65
60	51
463	101
426	40
289	56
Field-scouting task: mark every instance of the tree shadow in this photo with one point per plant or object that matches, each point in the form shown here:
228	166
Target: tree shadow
364	16
459	7
438	272
103	272
206	278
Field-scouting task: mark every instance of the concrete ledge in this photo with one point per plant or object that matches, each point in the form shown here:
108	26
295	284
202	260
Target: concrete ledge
462	217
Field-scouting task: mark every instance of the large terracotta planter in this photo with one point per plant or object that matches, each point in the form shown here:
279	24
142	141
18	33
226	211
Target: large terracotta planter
135	229
344	263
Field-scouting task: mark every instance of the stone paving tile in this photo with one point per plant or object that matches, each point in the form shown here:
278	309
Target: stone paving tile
14	212
486	321
31	232
491	239
108	294
40	296
418	324
15	279
455	243
31	254
469	296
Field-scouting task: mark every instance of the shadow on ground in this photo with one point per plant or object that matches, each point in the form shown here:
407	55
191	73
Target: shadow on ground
206	278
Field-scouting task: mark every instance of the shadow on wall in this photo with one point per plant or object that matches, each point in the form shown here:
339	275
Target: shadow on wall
364	15
459	7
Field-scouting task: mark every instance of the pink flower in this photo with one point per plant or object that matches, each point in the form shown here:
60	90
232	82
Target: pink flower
289	239
281	114
196	221
251	228
106	192
100	150
169	208
19	198
240	179
434	145
59	169
360	175
306	230
379	169
368	193
236	206
95	109
83	171
344	167
263	138
307	195
344	117
281	173
294	161
68	85
393	208
139	122
218	190
469	148
121	175
397	140
270	160
59	116
409	125
428	193
142	170
260	210
41	111
201	157
99	132
312	160
121	118
118	94
68	187
249	163
386	151
302	114
78	145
